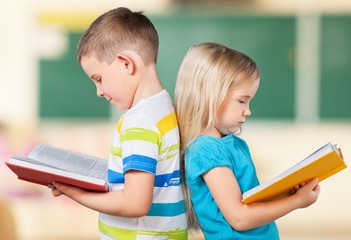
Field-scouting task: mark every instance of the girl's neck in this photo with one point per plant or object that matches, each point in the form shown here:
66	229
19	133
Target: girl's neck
213	132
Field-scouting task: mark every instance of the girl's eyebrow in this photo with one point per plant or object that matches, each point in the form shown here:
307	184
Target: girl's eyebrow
246	96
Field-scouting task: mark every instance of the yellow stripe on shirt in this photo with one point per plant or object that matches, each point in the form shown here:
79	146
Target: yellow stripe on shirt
167	123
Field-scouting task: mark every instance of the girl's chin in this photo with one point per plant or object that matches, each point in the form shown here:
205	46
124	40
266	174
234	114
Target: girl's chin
236	130
232	132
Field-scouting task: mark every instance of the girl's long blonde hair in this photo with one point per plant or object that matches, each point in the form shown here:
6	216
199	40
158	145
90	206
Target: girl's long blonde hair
206	74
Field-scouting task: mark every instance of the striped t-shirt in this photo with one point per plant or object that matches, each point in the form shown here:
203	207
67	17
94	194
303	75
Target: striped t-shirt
147	139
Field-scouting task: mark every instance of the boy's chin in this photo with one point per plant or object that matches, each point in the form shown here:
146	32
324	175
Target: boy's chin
119	106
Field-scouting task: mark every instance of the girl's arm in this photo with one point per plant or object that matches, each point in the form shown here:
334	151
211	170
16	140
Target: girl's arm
227	194
133	201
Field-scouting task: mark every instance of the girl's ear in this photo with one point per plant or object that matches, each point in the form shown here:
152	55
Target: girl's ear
127	61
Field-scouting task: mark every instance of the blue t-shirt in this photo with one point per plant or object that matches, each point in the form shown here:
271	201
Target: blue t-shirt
205	154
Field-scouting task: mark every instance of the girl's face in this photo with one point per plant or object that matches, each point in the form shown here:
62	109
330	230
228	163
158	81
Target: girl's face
234	109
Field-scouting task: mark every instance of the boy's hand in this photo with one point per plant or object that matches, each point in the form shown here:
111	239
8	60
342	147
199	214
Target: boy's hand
307	192
55	192
70	191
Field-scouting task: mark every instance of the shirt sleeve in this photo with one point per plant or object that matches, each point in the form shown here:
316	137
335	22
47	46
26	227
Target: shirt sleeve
140	141
203	156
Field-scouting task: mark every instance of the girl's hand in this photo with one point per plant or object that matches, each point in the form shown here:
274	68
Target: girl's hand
297	187
307	193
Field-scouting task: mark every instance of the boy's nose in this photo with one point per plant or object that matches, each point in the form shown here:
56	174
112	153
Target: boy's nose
99	93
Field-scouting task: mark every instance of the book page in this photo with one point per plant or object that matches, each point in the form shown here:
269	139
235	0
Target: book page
69	161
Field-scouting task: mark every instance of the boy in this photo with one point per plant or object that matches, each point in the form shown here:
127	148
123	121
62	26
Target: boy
119	52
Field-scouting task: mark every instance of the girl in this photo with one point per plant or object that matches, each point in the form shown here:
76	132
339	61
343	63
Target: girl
214	88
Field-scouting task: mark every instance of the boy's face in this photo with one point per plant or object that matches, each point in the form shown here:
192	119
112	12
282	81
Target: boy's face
112	81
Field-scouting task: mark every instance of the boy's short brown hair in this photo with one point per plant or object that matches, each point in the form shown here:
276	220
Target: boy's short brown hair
118	30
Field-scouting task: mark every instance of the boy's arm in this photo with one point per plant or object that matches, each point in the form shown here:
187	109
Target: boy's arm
227	194
133	201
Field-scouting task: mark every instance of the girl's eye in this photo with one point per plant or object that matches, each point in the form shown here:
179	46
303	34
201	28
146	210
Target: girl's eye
98	80
242	101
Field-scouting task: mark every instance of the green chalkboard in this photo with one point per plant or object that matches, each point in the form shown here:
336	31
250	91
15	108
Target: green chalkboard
66	92
335	67
269	40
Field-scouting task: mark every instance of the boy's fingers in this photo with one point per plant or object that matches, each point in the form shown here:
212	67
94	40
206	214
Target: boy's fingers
57	185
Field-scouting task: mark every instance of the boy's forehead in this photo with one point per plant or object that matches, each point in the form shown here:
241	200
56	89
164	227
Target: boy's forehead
90	64
89	57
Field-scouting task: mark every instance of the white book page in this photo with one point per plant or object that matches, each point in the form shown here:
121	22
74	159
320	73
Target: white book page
33	164
69	161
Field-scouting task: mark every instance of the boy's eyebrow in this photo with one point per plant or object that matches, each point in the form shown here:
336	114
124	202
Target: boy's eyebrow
94	76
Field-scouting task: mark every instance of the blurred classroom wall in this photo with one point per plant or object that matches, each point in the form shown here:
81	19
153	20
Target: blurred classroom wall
301	47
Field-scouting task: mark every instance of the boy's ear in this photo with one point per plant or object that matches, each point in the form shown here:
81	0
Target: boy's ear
127	62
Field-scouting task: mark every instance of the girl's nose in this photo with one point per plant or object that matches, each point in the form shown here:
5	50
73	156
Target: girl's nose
247	112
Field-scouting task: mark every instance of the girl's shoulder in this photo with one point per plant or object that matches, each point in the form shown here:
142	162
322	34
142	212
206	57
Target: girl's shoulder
205	144
211	147
203	155
212	142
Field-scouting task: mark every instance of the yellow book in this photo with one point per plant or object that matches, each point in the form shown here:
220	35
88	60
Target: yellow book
322	164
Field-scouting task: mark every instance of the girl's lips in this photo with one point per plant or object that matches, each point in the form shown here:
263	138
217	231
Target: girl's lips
241	123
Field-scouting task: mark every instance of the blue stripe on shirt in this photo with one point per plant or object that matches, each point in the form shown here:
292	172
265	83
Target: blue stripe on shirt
163	180
140	163
115	177
167	209
169	179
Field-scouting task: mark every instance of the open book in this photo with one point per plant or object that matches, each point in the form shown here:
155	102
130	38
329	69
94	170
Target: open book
322	164
46	164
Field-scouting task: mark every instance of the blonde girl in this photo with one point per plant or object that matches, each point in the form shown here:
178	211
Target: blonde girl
215	86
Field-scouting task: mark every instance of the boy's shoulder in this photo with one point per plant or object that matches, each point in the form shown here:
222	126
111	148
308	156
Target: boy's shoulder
156	103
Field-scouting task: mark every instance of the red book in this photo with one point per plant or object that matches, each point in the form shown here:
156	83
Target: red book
46	164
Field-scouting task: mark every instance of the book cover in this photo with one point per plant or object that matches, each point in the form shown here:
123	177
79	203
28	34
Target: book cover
323	163
46	164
